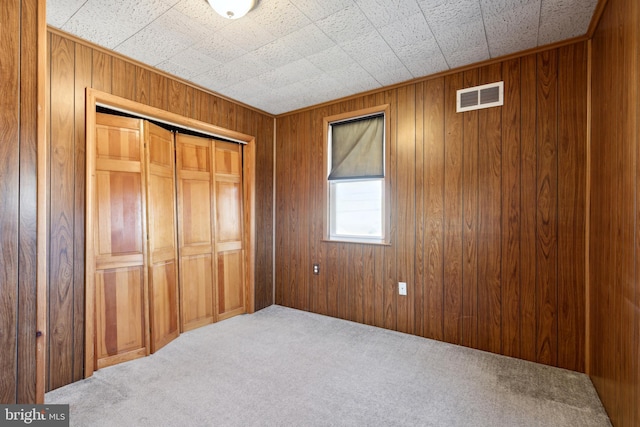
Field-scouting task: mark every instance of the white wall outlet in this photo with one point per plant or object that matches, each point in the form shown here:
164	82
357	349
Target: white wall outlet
402	288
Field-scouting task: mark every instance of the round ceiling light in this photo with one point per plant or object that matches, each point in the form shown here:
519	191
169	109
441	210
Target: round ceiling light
232	9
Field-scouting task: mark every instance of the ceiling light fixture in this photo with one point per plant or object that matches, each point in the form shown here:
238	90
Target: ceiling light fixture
232	9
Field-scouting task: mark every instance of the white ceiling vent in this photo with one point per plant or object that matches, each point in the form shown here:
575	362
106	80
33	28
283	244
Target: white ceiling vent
485	96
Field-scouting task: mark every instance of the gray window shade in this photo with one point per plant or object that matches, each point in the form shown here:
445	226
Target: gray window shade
357	149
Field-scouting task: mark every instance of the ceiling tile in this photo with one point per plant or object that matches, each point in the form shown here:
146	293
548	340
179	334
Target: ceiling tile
345	24
408	31
194	61
280	17
384	12
447	12
246	33
365	46
219	48
308	40
318	9
564	19
200	12
162	39
354	78
386	68
511	29
59	11
276	54
110	22
422	59
330	59
457	40
289	73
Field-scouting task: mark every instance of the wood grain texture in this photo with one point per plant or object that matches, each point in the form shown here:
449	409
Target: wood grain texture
406	206
510	268
453	211
572	206
528	201
9	191
614	239
434	209
162	242
547	209
61	213
121	296
470	191
490	223
467	225
86	66
26	373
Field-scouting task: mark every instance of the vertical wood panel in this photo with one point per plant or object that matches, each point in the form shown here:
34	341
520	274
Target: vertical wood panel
434	208
9	192
419	258
453	212
83	66
572	205
142	83
389	271
60	349
123	79
546	212
528	192
26	303
158	91
614	248
511	210
470	221
490	221
405	194
101	77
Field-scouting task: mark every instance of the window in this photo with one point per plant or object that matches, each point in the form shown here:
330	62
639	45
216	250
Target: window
356	165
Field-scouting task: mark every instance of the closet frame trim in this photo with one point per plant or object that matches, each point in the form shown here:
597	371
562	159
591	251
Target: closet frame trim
96	98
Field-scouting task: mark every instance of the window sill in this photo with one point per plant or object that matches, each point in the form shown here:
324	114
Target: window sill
358	242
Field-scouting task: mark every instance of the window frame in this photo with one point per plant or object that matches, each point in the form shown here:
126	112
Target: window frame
328	121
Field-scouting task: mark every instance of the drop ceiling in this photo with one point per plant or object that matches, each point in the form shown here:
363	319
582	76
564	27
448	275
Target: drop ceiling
290	54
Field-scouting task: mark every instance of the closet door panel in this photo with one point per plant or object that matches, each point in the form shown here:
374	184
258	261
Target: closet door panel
229	214
229	233
197	291
230	278
163	293
119	213
162	240
195	230
119	242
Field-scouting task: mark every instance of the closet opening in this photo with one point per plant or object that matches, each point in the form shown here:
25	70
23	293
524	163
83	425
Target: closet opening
170	227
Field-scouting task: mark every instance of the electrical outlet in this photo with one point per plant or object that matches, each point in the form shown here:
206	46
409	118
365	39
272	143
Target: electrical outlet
316	269
402	288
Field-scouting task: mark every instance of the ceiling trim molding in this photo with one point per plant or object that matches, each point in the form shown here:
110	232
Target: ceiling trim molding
595	19
491	61
148	67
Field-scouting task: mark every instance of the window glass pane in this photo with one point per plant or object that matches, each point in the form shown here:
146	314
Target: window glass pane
357	209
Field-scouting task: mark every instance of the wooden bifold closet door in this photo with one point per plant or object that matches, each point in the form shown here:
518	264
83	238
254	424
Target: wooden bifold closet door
210	230
168	241
162	241
119	242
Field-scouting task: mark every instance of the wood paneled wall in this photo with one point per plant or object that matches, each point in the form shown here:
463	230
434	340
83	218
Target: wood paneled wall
614	240
19	32
487	214
74	66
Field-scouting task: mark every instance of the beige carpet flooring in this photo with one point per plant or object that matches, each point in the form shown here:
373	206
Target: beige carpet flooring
284	367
